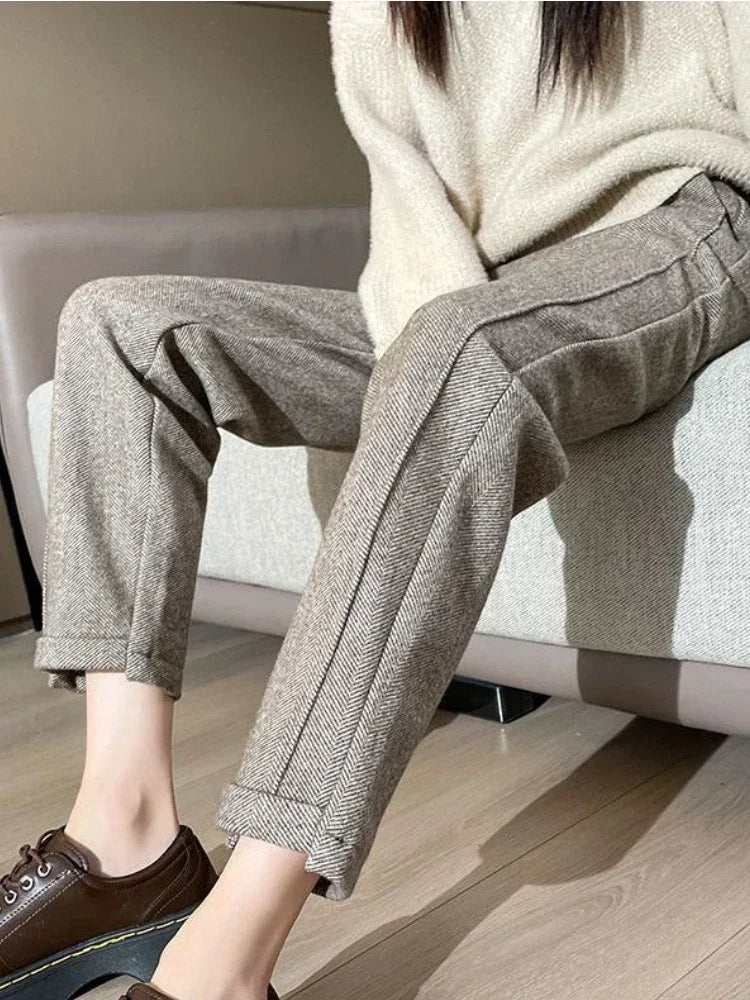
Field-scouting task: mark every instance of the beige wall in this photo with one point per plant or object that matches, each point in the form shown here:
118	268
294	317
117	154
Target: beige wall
145	105
129	106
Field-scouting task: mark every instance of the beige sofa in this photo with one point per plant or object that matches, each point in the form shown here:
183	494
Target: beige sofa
629	587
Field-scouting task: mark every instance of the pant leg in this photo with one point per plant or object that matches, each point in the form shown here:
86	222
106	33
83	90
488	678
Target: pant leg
464	424
147	369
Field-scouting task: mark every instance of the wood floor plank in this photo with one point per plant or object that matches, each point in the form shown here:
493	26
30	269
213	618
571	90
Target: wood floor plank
722	975
476	803
474	798
622	905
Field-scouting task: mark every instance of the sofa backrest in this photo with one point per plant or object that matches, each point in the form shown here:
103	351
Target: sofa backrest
43	258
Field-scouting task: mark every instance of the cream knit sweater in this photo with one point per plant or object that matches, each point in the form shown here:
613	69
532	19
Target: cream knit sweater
465	179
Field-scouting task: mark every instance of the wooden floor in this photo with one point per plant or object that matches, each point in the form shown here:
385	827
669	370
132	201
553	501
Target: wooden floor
577	854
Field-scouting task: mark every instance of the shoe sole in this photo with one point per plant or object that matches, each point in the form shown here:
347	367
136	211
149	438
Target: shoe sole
132	951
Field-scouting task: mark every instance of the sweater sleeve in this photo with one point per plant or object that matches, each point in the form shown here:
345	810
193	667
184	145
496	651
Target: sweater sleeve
419	245
737	21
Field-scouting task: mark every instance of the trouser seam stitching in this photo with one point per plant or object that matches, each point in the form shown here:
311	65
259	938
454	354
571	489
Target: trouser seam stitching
149	512
299	341
450	365
76	636
576	300
603	341
473	330
707	236
504	392
278	795
417	430
544	357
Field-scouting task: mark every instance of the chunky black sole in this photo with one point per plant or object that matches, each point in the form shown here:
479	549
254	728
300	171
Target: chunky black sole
133	951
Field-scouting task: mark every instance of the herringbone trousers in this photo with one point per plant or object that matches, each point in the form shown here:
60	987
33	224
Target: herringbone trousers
461	424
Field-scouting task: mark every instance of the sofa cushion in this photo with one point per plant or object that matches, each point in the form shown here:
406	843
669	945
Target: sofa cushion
644	549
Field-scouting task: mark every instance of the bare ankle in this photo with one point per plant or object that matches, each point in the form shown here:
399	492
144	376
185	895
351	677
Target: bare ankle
122	828
124	814
228	948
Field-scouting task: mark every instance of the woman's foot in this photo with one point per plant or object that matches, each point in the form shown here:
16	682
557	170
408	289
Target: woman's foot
64	925
228	948
145	991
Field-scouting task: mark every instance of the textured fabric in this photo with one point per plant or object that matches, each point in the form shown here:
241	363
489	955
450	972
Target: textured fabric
588	567
147	369
261	525
459	426
467	178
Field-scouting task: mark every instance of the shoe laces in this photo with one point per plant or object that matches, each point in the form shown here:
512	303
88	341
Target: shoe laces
18	877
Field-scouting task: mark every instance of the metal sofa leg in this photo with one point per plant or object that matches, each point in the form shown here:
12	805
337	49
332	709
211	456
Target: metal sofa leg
489	701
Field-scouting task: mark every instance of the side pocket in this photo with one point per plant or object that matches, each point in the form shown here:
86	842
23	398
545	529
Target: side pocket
736	206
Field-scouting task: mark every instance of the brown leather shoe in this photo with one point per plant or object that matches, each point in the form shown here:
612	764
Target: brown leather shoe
144	991
62	928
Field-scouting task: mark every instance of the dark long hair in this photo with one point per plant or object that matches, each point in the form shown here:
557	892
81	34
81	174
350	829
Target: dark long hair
573	38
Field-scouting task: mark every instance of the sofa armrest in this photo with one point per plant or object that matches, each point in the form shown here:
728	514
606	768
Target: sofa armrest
43	258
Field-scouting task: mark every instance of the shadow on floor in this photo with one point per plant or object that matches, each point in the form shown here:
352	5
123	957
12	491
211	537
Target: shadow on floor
540	867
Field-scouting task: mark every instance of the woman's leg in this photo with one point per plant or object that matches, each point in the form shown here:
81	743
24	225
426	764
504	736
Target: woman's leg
147	370
134	440
464	422
463	425
242	925
125	815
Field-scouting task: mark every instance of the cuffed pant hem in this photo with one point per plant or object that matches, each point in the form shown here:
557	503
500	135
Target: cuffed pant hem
295	825
68	659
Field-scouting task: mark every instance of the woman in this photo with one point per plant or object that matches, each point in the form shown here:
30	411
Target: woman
560	237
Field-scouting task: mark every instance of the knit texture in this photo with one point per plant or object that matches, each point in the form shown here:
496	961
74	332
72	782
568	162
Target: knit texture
467	178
